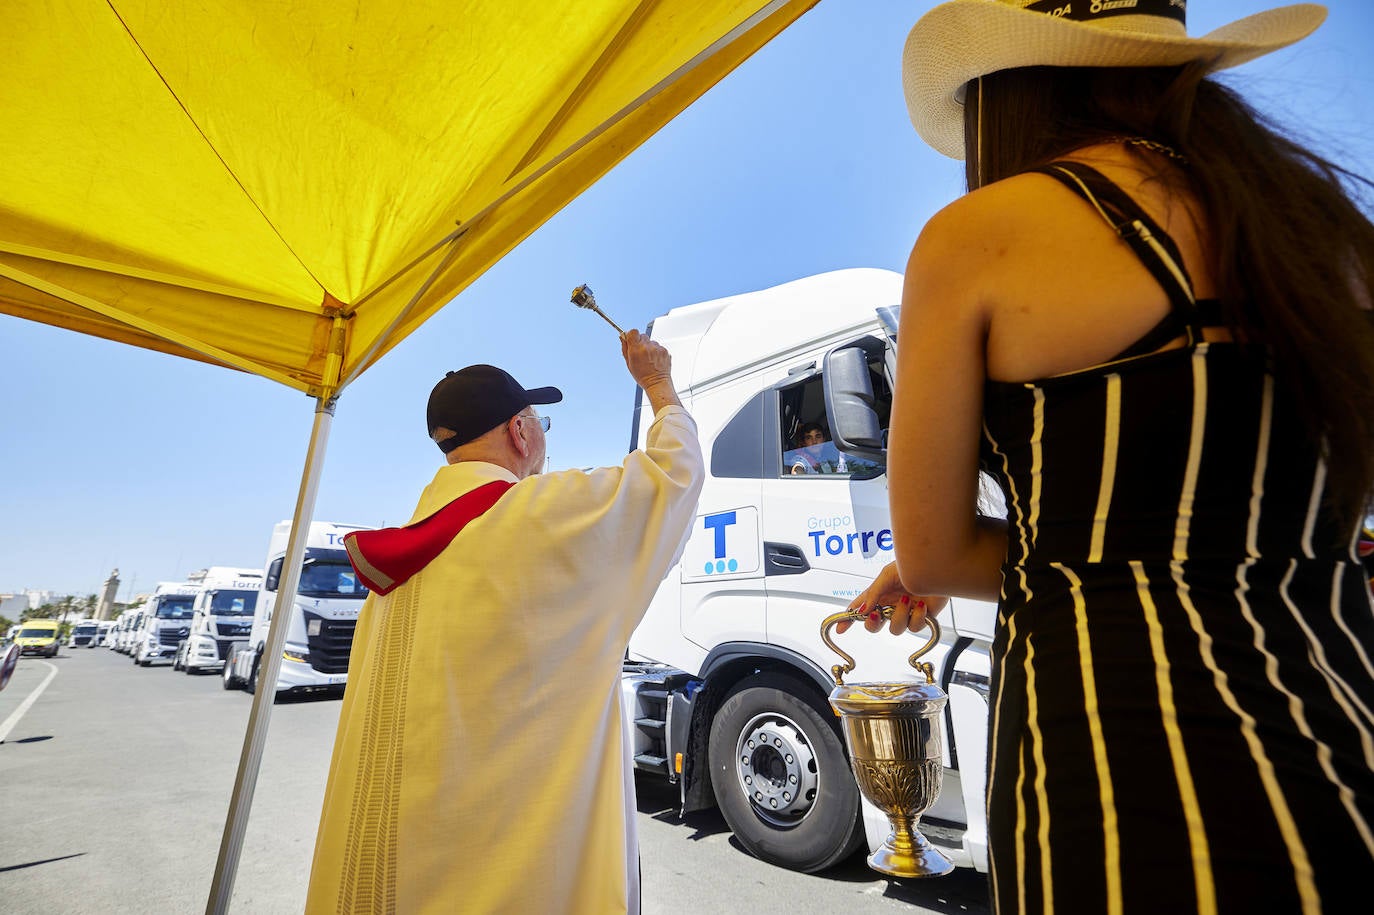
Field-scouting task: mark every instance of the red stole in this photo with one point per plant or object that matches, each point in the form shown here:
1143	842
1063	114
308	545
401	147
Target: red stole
385	559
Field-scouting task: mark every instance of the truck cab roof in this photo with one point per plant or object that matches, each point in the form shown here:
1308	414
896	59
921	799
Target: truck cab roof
712	341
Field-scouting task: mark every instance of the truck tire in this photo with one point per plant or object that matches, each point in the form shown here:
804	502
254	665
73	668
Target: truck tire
252	683
781	776
228	679
255	681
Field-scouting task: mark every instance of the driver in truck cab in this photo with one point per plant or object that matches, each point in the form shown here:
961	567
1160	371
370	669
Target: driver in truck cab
487	660
808	458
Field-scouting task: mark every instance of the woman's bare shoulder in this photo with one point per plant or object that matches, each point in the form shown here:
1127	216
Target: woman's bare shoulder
1000	211
966	243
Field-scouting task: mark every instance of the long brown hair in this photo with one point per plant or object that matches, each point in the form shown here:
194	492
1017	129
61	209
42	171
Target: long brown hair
1292	250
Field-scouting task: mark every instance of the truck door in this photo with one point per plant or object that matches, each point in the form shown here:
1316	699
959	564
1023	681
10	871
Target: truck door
267	603
722	562
826	531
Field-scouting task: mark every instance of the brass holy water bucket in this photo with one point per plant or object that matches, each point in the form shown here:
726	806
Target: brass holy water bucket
893	734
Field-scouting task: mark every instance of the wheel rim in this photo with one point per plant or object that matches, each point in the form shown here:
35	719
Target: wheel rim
775	767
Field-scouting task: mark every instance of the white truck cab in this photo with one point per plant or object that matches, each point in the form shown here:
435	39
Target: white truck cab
319	633
727	678
126	626
166	622
84	634
221	617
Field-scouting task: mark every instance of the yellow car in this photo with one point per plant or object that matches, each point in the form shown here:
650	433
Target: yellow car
38	637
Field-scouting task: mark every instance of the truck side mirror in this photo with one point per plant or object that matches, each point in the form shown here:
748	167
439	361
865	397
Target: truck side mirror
273	575
849	403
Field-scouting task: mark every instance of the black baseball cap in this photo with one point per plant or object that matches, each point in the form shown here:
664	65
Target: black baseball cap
474	400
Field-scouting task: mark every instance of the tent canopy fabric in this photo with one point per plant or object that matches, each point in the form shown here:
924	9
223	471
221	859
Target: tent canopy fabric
290	188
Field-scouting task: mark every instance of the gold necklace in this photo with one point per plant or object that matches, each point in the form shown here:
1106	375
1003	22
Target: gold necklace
1154	146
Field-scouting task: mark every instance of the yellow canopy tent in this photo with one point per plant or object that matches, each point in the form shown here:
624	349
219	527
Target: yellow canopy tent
290	188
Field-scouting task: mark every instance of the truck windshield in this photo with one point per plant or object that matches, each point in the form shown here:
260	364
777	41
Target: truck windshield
86	628
233	603
329	578
174	608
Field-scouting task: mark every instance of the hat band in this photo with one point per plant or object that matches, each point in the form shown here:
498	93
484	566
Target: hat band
1093	10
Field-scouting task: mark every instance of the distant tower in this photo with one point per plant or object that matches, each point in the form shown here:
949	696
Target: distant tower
107	596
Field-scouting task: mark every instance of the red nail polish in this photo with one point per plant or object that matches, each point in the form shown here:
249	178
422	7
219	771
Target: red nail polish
906	598
874	616
921	604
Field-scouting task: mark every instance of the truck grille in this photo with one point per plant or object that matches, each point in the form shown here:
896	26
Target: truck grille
234	630
329	649
172	637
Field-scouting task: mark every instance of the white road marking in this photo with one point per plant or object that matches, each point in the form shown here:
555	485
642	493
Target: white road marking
18	713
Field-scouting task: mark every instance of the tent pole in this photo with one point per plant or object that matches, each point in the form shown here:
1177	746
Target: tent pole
256	739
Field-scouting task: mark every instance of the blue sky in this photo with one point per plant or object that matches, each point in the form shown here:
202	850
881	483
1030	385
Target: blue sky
802	161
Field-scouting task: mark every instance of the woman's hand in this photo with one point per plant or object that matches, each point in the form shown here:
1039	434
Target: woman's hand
909	611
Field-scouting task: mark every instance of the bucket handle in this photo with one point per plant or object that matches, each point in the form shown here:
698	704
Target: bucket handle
839	670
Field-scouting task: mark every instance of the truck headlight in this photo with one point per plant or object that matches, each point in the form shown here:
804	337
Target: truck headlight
292	654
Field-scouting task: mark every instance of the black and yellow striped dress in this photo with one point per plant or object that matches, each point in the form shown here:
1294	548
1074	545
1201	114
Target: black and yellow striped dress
1184	694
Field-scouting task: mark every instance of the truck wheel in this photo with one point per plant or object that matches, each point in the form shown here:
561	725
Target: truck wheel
252	684
228	678
255	681
781	776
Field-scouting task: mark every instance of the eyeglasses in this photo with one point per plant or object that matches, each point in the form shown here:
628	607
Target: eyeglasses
544	421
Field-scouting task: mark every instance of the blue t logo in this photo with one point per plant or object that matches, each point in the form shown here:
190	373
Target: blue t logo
719	523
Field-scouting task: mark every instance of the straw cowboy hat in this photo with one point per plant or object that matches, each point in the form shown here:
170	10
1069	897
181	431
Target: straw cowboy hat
964	39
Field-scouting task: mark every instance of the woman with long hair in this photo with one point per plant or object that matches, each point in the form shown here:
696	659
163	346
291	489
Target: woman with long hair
1149	322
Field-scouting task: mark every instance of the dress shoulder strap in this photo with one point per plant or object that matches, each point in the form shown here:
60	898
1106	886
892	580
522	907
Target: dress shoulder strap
1151	244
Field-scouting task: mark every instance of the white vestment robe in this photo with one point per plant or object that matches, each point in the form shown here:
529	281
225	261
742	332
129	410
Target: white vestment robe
481	762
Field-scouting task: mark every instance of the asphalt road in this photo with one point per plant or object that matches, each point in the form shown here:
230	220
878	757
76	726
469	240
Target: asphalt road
115	781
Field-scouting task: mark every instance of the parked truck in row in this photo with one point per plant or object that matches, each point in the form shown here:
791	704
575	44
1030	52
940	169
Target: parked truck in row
85	634
126	625
319	634
166	622
221	617
726	679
